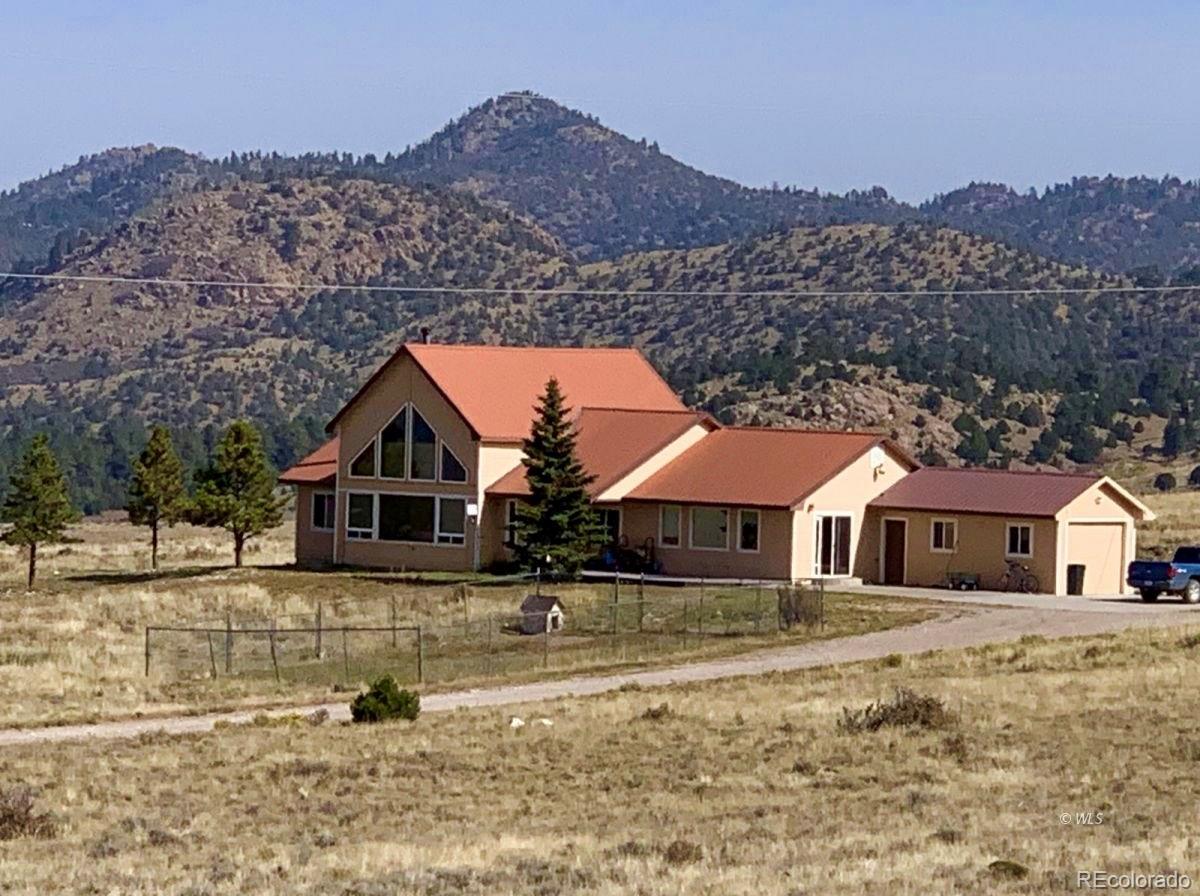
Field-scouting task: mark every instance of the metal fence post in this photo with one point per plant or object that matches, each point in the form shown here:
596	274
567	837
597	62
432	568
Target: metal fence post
489	645
147	651
320	611
228	643
345	654
700	613
212	654
641	598
420	656
683	631
274	658
546	642
394	641
758	607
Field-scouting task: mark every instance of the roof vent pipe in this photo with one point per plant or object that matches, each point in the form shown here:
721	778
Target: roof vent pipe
424	335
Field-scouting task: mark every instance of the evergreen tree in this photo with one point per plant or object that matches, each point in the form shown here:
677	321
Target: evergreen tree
157	495
237	491
557	529
38	507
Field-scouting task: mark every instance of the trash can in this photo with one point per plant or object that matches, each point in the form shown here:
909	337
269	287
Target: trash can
1075	573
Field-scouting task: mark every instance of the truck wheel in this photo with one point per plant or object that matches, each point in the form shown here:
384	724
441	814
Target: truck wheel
1191	592
1149	595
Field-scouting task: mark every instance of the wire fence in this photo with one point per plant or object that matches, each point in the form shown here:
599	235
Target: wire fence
622	619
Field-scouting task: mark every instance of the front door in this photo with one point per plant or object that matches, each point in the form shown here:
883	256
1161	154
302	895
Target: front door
895	537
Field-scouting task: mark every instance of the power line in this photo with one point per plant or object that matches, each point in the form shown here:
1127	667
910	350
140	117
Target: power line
596	293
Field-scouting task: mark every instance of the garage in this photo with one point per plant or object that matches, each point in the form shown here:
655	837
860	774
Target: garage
1100	549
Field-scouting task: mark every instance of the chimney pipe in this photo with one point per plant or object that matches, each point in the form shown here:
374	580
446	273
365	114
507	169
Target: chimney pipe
425	335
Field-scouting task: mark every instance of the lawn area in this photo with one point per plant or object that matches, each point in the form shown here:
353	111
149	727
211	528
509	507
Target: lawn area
740	786
74	649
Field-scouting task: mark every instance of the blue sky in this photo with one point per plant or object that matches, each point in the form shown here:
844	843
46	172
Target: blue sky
917	97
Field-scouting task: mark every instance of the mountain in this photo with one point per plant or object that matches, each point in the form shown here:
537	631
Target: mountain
1116	224
603	193
98	191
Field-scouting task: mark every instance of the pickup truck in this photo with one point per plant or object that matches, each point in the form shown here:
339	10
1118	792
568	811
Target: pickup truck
1179	575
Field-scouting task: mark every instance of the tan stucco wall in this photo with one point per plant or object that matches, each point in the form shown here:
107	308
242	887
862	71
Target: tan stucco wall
1101	548
652	465
313	547
639	521
981	548
494	461
403	382
848	492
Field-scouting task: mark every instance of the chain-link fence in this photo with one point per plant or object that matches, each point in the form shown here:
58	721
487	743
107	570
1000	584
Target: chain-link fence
617	619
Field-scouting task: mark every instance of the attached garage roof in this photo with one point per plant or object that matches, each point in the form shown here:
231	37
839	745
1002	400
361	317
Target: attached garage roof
758	467
612	443
495	387
1007	492
318	468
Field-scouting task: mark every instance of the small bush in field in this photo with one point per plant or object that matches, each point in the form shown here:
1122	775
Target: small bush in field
18	818
384	700
907	709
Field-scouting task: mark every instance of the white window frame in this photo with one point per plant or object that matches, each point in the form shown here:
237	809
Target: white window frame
662	508
370	534
443	447
944	521
438	535
692	527
620	520
312	512
1008	527
439	444
511	536
816	545
757	531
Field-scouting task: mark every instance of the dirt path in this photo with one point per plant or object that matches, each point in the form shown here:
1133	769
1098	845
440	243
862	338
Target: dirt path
960	626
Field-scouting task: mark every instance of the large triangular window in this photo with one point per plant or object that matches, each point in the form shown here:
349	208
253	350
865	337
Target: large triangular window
392	451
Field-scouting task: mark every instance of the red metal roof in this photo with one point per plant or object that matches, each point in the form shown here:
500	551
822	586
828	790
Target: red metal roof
495	387
976	490
613	442
758	467
318	468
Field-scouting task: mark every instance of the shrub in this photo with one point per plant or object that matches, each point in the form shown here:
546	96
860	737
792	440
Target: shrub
683	852
1164	482
384	700
907	709
18	818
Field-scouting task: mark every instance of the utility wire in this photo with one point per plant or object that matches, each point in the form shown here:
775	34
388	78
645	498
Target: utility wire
598	293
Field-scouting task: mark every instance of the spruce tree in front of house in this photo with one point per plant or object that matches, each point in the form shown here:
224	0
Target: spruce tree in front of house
558	522
157	494
237	491
37	508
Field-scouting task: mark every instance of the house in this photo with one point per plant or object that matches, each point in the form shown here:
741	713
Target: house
938	520
541	614
423	471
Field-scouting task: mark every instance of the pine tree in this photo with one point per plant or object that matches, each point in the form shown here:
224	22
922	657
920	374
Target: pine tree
38	506
157	494
237	491
557	529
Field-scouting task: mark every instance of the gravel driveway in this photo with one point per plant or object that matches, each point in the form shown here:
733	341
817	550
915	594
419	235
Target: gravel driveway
967	621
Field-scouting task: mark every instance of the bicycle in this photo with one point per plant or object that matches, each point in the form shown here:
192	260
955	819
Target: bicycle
1018	577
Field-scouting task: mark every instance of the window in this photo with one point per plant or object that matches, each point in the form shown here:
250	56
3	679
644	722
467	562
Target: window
391	447
943	536
748	530
668	526
364	464
360	516
710	528
833	545
323	509
452	521
1020	540
510	523
406	518
452	468
610	520
424	449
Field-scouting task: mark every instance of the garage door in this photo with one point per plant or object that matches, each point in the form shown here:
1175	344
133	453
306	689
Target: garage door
1100	548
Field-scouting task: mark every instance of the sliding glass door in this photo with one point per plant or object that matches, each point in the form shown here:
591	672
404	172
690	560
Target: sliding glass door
832	555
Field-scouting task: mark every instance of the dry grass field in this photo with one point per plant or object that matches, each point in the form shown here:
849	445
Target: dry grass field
73	650
740	786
